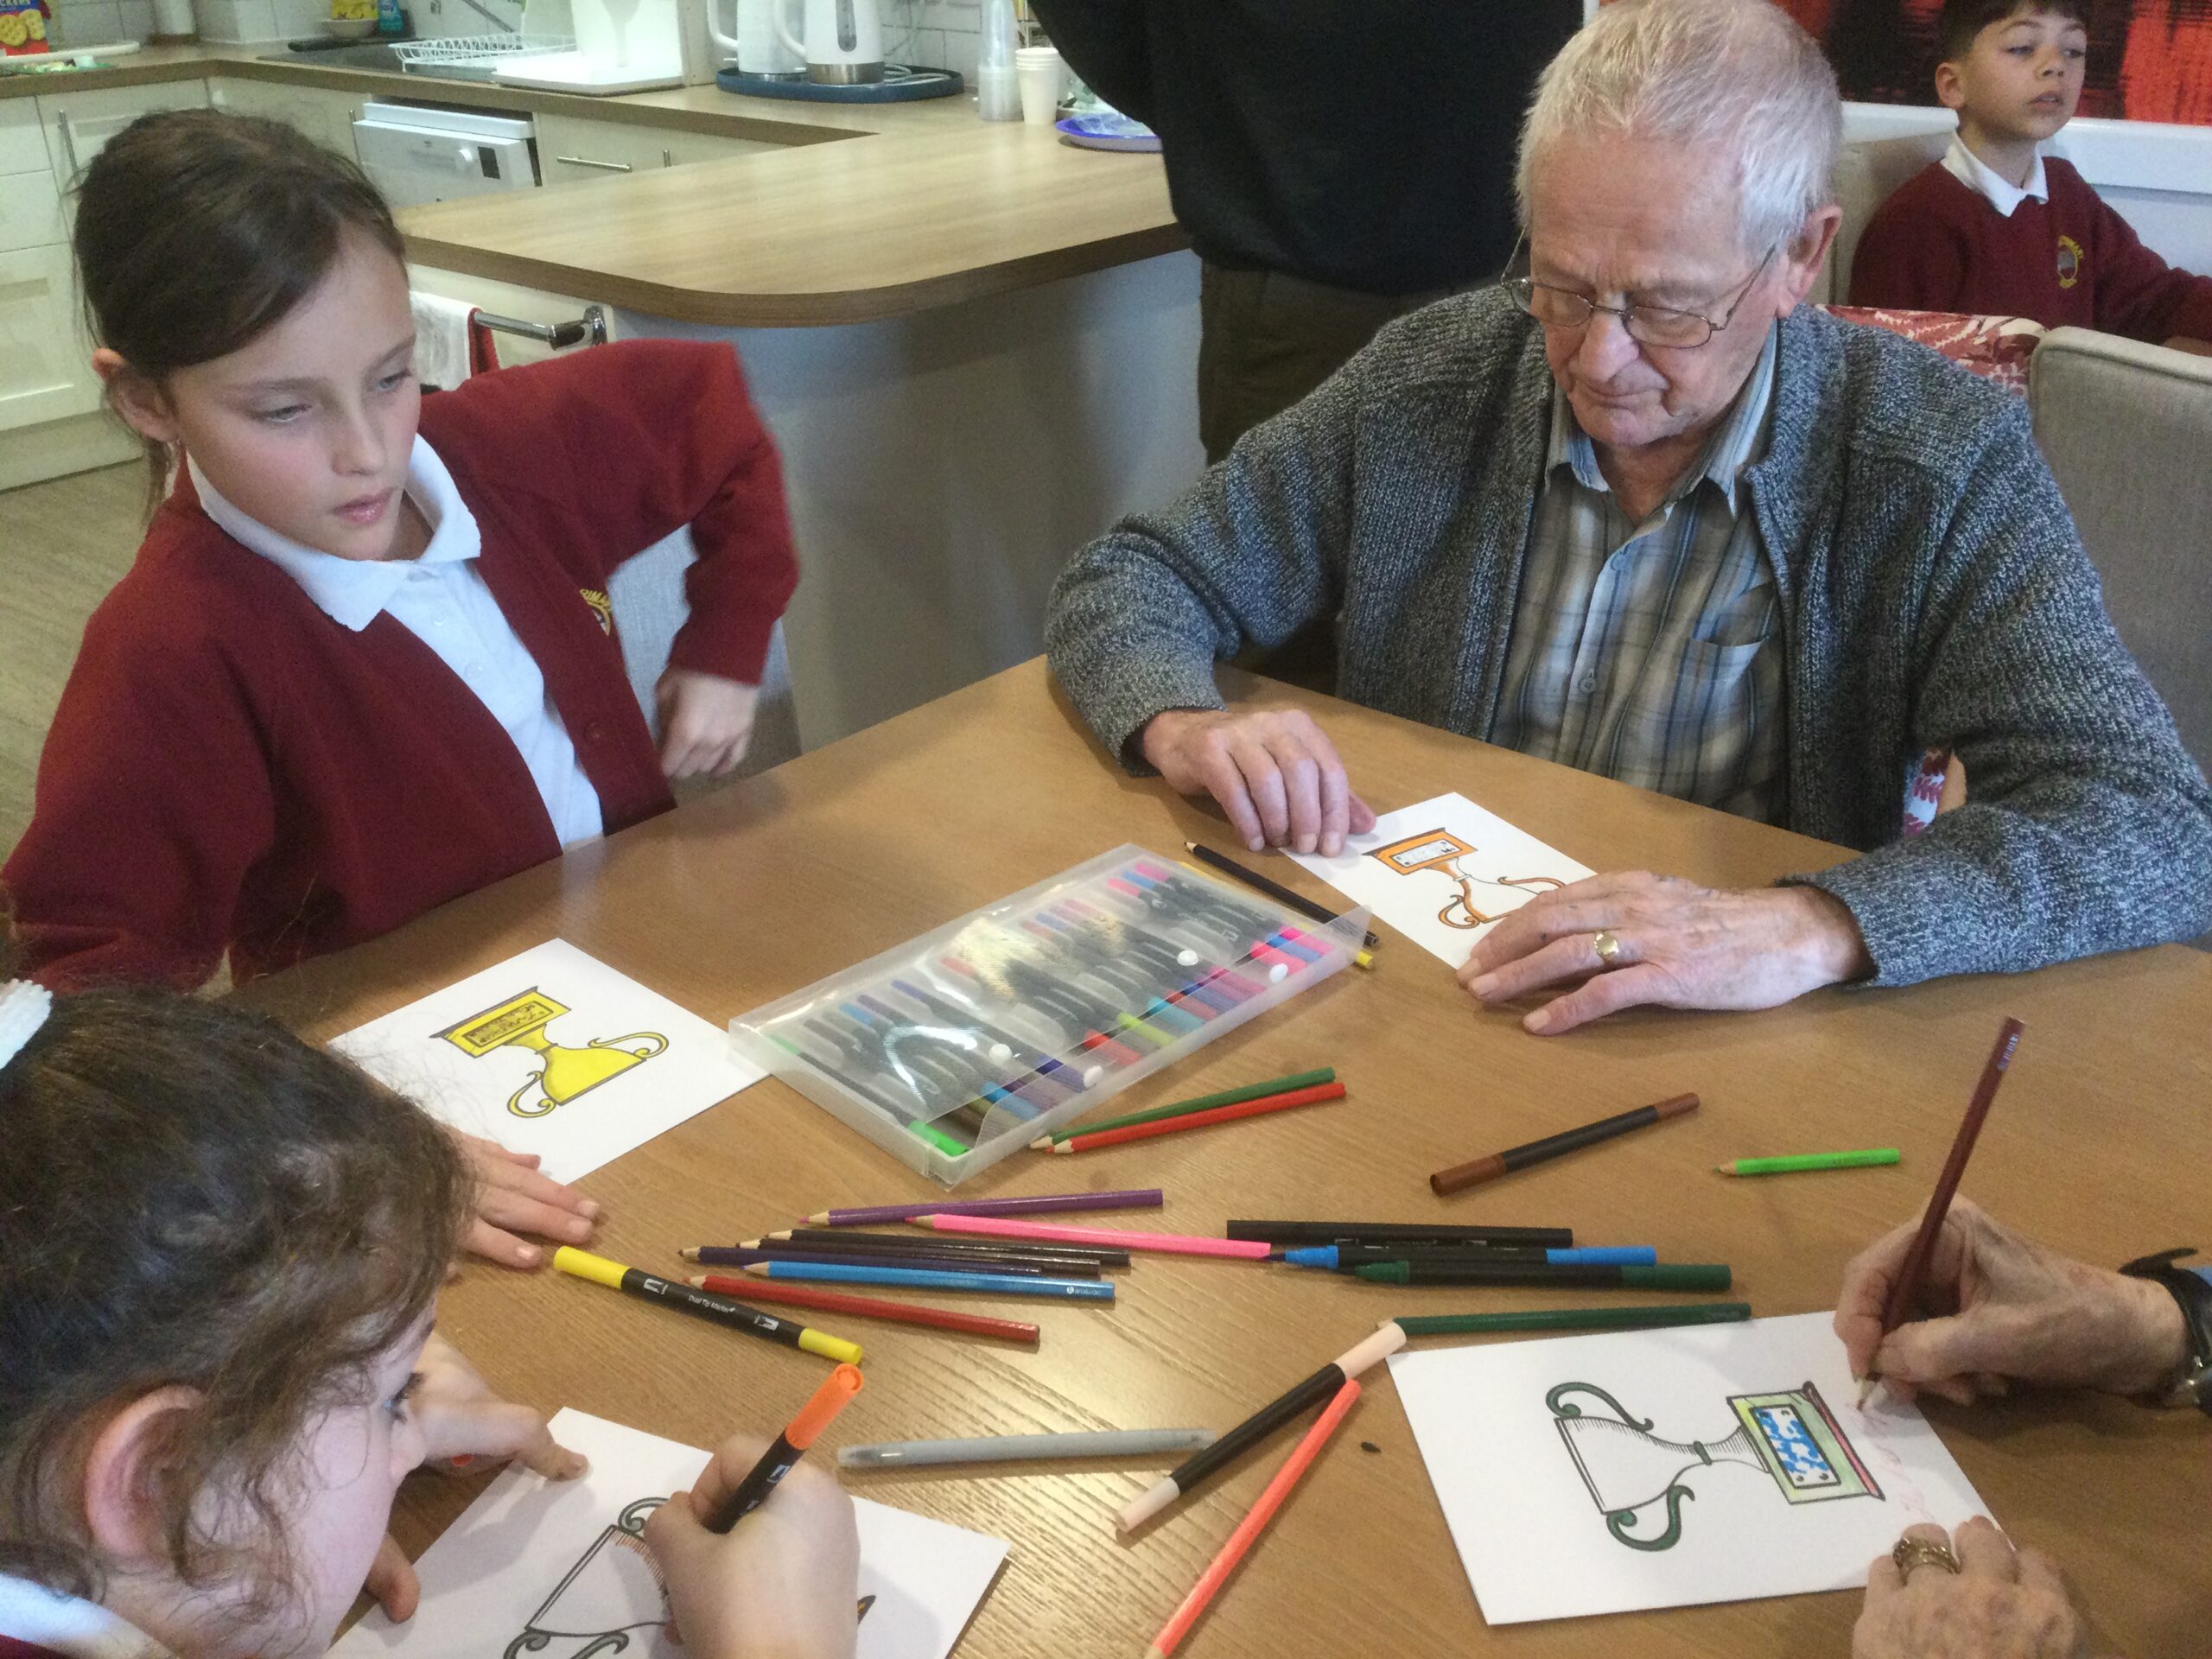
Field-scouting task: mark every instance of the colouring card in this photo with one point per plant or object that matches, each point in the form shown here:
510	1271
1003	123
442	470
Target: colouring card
559	1568
556	1053
1442	872
1604	1474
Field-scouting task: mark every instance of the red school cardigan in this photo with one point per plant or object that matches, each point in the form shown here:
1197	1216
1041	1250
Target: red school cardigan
229	769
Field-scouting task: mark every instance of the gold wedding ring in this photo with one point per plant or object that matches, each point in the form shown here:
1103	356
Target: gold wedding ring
1920	1552
1607	947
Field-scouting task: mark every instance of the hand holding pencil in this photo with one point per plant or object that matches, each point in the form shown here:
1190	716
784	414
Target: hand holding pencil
786	1584
2008	1310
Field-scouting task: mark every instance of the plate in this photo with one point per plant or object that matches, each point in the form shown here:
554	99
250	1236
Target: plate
1107	133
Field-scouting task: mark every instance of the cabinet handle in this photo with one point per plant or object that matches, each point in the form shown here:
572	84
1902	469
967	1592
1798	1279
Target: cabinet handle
68	142
667	160
586	161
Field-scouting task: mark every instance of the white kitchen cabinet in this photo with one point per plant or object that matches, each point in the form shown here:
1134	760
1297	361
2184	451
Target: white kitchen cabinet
30	212
569	147
78	124
22	141
44	375
325	116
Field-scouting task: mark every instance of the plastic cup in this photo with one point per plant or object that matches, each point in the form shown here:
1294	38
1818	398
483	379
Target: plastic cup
1043	78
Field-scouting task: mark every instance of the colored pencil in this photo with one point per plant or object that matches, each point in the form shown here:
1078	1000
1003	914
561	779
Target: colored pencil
1904	1289
1668	1276
787	1448
1343	1258
1164	1244
1388	1339
869	1307
997	1284
1007	1448
1575	1318
711	1256
1272	1087
1149	1197
1793	1164
1254	1524
1275	890
1446	1182
1204	1120
829	1238
1396	1232
687	1299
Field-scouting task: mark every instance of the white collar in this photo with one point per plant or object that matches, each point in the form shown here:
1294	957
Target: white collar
355	591
1980	177
83	1630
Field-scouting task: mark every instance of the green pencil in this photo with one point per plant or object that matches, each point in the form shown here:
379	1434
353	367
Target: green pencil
1200	1104
1668	1276
1791	1165
1575	1318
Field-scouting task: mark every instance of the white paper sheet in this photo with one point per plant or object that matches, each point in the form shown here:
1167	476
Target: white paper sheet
1444	872
630	1063
1780	1500
535	1555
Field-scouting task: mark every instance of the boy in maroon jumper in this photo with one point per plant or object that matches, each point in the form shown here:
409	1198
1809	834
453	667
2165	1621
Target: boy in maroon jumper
1995	228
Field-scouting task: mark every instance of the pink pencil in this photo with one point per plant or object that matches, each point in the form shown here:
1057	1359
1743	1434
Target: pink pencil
1112	1238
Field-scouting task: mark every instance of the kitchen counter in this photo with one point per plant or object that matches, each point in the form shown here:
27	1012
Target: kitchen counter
864	212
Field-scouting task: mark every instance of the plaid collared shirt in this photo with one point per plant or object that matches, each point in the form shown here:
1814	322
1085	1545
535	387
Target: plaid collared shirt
1651	652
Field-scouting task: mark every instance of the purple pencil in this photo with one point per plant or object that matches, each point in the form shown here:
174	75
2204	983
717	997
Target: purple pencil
1149	1197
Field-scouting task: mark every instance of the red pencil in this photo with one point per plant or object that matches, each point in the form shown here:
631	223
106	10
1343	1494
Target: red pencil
1260	1108
867	1307
1248	1529
1904	1289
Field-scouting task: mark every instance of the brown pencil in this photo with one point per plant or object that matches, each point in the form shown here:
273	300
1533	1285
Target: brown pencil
1446	1182
1904	1289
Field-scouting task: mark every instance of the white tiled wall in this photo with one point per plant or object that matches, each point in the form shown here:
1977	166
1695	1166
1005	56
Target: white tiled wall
97	23
237	19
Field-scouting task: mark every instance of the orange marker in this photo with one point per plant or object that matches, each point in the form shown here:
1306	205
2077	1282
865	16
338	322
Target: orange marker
788	1447
1248	1529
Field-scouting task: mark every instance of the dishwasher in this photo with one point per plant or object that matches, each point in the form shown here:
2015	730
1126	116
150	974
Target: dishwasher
418	153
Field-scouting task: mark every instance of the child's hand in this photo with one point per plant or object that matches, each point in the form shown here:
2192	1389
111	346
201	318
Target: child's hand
785	1582
512	1194
463	1422
706	722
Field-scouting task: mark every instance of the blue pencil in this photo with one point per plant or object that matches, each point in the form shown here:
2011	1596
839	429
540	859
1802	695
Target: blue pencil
996	1284
1618	1256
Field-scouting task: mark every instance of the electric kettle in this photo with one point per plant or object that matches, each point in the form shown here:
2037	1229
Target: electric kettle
758	49
843	41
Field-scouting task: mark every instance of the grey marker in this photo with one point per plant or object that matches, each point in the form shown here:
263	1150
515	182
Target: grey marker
1007	1448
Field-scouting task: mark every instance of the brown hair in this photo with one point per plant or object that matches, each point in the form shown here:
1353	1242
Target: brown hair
196	231
1962	20
193	1196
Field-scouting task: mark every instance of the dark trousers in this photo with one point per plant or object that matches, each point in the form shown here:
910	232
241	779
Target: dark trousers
1265	340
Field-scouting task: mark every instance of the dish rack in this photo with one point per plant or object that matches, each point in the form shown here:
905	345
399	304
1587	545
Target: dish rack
476	57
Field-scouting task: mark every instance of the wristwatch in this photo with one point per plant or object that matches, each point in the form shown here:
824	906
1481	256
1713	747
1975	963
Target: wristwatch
2193	1387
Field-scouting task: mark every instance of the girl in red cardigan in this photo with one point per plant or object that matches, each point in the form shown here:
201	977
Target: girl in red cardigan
364	662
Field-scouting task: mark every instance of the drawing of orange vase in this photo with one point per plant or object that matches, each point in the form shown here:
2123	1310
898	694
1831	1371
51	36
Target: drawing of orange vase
563	1073
613	1595
1441	850
1789	1435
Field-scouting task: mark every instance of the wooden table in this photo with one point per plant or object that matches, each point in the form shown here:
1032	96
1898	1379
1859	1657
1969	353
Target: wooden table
2096	1148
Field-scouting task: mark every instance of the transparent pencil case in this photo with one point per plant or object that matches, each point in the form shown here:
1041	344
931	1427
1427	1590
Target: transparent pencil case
955	1049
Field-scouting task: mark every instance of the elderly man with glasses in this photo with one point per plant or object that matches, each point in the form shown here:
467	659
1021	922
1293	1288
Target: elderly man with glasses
1637	511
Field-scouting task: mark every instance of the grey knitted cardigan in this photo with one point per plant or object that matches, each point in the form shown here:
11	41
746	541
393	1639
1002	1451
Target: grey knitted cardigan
1933	591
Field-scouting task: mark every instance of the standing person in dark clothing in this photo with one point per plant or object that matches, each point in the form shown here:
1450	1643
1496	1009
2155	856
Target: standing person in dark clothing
1336	164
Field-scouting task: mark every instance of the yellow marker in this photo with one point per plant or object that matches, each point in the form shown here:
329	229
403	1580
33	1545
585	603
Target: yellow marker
706	1304
1130	1022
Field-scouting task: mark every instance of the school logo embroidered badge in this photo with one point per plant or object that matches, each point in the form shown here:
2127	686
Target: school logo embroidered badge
2071	261
601	606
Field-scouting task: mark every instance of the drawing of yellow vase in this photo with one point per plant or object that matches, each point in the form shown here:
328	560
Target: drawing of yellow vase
564	1073
1789	1435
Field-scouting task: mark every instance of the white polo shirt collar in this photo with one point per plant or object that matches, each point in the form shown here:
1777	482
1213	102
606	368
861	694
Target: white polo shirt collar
83	1630
354	593
1998	191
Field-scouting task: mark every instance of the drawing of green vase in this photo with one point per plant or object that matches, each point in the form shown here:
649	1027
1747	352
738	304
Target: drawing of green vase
1790	1436
597	1606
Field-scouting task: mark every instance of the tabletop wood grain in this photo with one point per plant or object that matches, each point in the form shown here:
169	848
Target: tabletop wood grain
2095	1147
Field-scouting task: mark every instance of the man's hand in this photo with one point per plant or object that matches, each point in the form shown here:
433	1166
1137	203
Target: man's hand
2001	1603
1682	946
511	1195
1270	770
706	722
2010	1310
